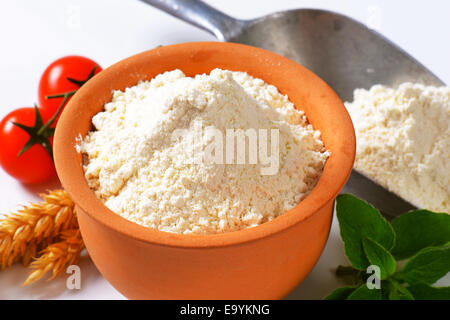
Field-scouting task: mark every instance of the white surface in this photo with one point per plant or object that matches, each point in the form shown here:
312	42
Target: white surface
34	33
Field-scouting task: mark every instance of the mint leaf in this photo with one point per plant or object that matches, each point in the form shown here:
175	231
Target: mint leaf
364	293
398	292
419	229
358	220
340	293
379	256
427	266
425	292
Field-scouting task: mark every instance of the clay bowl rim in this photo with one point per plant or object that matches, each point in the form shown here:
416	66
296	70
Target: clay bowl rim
68	161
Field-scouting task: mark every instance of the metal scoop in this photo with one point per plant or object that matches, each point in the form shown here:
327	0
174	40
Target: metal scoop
342	51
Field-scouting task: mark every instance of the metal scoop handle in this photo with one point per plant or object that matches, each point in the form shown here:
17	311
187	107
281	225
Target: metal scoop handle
202	15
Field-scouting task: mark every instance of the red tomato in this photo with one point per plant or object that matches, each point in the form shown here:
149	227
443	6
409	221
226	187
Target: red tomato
54	80
33	166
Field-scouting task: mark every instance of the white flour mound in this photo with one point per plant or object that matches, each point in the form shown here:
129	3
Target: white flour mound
142	173
403	141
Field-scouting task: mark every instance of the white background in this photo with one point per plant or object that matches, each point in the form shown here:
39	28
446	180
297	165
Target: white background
34	33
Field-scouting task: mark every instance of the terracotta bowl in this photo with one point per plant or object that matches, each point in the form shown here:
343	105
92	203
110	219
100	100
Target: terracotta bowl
264	262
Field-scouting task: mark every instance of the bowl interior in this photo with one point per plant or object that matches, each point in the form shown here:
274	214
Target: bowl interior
324	110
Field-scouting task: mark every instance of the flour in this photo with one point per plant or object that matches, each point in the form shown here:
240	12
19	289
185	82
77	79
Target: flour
141	172
403	141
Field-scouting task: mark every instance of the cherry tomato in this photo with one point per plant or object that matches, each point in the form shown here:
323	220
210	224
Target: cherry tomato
54	80
34	165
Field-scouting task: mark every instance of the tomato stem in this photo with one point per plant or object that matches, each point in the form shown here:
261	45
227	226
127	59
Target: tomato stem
61	95
67	95
36	135
40	133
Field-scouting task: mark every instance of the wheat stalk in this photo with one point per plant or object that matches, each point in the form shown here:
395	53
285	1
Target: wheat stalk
57	256
33	227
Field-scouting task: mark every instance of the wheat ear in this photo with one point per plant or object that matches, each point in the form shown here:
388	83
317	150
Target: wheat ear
33	227
57	256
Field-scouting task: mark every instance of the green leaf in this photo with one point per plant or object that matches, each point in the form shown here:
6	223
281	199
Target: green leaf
380	257
419	229
398	292
358	220
364	293
340	293
427	266
425	292
384	290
